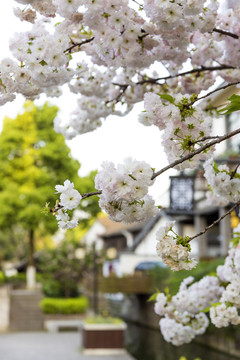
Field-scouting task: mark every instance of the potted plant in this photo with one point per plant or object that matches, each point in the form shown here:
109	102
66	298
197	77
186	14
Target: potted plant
103	335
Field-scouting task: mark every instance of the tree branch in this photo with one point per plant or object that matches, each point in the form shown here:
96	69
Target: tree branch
215	222
198	151
199	70
136	2
233	173
79	44
86	195
123	88
203	139
192	71
227	33
212	92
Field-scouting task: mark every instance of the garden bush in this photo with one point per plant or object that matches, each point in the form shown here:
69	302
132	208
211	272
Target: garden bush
64	306
2	277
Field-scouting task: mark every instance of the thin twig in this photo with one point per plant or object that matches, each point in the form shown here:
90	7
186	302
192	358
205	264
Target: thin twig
212	92
227	33
86	195
215	222
199	70
118	97
198	151
203	139
138	3
192	71
235	170
79	44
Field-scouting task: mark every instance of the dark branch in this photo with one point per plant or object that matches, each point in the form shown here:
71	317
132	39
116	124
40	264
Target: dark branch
212	92
193	71
215	222
86	195
140	5
123	88
198	151
79	44
203	139
227	33
235	171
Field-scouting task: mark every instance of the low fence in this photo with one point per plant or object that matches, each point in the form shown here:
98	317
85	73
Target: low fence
125	285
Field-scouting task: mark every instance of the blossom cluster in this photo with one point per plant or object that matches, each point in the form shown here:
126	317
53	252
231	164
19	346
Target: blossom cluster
184	314
174	250
69	200
183	125
181	314
124	190
226	311
122	43
120	46
224	183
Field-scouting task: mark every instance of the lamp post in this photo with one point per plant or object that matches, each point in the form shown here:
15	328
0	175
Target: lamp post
182	193
95	280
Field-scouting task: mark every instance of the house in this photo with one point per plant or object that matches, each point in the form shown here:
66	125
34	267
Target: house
188	207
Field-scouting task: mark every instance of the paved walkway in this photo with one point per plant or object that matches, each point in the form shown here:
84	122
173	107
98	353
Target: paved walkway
47	346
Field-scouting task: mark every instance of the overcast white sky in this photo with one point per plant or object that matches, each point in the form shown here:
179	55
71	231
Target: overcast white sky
116	139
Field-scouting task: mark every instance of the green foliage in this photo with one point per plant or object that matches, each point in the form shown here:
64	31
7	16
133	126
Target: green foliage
62	271
234	105
33	159
53	288
153	297
64	306
103	320
163	277
167	97
2	278
16	281
12	244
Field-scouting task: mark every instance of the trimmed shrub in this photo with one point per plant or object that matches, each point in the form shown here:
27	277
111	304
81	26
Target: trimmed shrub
64	306
2	278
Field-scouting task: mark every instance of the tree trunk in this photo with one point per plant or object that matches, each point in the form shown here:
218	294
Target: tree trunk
31	248
31	270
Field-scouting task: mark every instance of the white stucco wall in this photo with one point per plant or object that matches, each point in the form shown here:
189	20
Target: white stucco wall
148	245
93	235
128	262
4	308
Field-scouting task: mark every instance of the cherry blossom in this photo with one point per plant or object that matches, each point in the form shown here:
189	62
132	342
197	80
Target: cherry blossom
111	54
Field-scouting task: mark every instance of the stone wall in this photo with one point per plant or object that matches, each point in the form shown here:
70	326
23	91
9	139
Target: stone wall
4	308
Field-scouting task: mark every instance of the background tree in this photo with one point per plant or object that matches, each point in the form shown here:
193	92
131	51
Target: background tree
62	269
33	159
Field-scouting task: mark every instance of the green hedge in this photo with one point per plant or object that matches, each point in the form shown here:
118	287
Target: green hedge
2	277
64	306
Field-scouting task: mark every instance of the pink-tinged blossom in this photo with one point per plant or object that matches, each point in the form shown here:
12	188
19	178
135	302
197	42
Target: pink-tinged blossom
223	182
125	190
174	255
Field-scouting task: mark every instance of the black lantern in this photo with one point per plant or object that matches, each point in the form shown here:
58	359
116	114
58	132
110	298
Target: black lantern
182	193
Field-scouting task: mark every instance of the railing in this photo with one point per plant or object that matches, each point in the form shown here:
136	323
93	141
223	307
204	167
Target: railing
133	284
